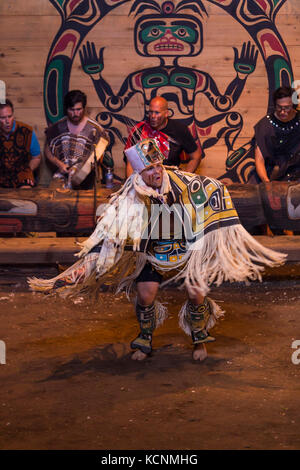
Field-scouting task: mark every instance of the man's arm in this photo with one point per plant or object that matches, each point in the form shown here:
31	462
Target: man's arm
260	165
194	161
35	162
54	160
35	153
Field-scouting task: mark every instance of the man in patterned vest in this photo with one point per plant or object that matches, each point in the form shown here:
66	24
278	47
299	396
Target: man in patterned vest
70	144
19	150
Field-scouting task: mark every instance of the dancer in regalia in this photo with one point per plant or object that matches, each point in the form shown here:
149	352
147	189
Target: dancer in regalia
181	227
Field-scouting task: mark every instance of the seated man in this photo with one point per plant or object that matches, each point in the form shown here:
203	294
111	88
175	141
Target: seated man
70	144
172	136
177	223
277	135
19	150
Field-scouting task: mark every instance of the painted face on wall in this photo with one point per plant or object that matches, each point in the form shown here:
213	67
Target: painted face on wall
175	36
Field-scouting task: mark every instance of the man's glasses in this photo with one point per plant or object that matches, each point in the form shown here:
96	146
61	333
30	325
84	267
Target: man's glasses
283	108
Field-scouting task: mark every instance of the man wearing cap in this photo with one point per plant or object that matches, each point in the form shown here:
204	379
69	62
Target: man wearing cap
172	136
181	227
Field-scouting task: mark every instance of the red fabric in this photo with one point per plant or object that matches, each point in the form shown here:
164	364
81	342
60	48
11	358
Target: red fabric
143	131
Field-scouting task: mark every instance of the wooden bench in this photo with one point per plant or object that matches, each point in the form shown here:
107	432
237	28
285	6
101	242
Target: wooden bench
52	250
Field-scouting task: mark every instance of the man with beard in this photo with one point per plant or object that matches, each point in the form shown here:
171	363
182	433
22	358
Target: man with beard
70	143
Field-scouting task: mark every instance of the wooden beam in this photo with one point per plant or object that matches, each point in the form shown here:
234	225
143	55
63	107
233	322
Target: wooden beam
30	251
39	250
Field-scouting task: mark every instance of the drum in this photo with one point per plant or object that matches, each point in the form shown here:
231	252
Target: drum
79	173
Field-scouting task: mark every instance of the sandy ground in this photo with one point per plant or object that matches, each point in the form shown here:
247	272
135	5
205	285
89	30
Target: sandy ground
69	382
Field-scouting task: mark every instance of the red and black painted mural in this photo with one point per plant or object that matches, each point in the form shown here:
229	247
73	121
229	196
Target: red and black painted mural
169	31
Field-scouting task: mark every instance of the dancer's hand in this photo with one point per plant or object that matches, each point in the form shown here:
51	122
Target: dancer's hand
86	246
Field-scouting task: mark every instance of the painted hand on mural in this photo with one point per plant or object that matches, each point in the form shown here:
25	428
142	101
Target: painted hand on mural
91	63
245	62
167	32
78	17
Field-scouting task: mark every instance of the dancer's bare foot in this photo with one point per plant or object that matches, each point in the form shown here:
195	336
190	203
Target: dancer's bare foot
138	355
200	352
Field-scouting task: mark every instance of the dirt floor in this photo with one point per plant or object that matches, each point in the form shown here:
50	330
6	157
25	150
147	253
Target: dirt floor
69	382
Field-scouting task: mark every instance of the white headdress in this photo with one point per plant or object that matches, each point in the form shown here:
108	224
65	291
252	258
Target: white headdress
143	154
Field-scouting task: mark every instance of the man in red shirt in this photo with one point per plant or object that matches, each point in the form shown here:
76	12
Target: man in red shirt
172	136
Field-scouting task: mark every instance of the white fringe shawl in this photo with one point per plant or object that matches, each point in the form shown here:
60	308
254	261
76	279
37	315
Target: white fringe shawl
119	222
226	254
123	219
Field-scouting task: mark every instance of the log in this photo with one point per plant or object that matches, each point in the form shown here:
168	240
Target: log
44	210
73	212
276	203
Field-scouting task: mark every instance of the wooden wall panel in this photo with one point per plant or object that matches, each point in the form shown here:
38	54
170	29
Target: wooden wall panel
28	8
28	29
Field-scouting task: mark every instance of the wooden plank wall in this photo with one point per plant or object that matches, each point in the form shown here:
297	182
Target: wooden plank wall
28	29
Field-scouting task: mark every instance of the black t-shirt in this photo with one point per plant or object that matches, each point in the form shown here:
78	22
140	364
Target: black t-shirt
277	140
179	137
